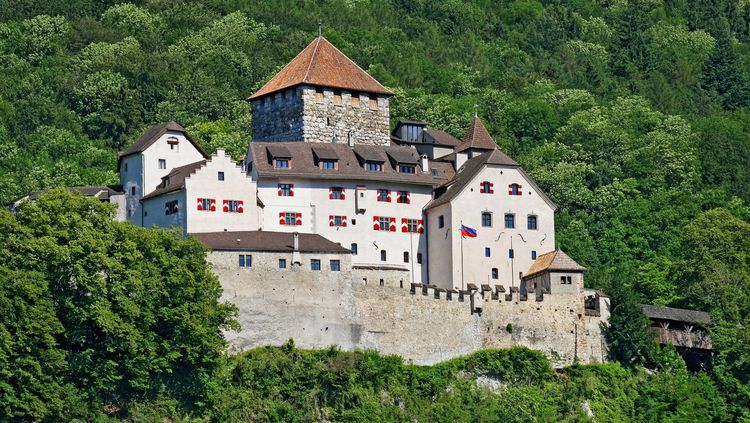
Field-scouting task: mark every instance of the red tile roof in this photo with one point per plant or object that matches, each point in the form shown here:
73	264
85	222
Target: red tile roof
477	137
322	64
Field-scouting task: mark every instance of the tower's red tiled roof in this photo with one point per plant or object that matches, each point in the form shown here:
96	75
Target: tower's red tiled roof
477	137
322	64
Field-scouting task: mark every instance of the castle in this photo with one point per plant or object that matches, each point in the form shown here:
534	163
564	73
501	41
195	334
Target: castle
335	230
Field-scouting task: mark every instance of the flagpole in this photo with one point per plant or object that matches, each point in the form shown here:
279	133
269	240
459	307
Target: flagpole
462	257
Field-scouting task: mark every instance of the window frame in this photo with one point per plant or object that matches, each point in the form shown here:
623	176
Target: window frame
337	267
407	168
277	163
486	223
315	263
282	263
384	227
220	176
512	221
535	219
162	164
373	166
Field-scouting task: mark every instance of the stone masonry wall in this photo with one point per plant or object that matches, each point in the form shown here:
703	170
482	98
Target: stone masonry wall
278	117
322	309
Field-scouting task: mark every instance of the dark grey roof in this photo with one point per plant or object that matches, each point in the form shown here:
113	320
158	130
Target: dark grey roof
323	152
466	173
403	155
440	137
676	314
369	154
278	151
265	241
152	134
350	165
175	180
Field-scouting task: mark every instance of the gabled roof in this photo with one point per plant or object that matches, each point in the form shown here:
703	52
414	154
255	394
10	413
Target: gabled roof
351	163
175	180
322	64
154	133
268	241
467	172
555	260
676	314
477	137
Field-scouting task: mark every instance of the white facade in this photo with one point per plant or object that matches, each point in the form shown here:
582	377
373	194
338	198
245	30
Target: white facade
319	212
448	250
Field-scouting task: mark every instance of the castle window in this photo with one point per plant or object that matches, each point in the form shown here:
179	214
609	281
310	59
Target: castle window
162	164
531	223
419	258
510	221
514	189
354	248
441	221
336	193
355	99
290	218
382	255
246	260
487	251
132	190
384	195
206	204
285	190
406	256
335	266
314	264
412	225
486	188
170	207
494	273
221	176
327	164
511	254
487	219
533	254
384	223
403	197
374	166
406	168
282	263
232	206
281	163
373	103
319	97
337	98
566	280
338	221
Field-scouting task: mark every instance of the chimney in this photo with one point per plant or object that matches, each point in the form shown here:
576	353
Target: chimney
220	152
296	256
424	163
296	241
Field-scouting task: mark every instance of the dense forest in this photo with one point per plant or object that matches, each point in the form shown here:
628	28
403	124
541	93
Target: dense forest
634	116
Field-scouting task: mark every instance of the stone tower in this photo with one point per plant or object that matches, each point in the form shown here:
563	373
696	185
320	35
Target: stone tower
322	96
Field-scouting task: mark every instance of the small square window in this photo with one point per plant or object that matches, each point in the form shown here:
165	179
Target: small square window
532	223
510	221
337	193
162	164
487	219
328	164
383	195
282	263
382	255
487	251
132	190
533	254
315	264
282	164
246	260
406	256
384	223
221	176
441	221
419	258
335	265
494	273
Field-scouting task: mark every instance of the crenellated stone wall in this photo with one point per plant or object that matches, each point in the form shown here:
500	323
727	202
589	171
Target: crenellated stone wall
315	114
421	325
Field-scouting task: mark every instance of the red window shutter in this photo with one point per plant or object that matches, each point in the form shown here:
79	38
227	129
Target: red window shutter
519	190
240	207
330	220
492	188
298	221
404	225
282	220
481	188
330	193
389	195
226	206
375	223
291	190
279	190
343	194
343	221
200	204
420	227
510	189
393	224
213	204
408	197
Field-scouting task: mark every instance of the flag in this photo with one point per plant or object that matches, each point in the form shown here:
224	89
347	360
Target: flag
467	231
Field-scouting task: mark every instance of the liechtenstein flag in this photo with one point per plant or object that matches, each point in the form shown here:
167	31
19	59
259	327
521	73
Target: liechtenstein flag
467	231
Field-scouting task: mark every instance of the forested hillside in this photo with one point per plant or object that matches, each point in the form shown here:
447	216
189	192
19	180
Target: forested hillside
634	116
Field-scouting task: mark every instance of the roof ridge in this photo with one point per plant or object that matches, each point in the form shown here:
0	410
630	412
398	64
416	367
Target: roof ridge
312	57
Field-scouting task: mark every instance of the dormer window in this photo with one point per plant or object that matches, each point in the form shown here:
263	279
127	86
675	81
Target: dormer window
281	163
374	166
406	168
327	164
174	144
